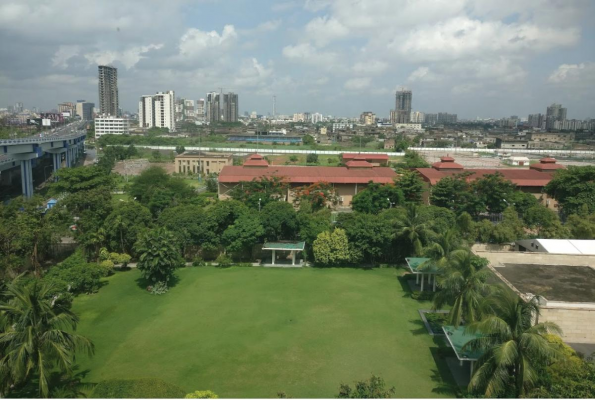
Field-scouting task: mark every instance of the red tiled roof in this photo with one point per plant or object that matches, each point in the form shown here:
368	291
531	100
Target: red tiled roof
256	160
358	156
297	174
548	160
520	177
358	164
446	163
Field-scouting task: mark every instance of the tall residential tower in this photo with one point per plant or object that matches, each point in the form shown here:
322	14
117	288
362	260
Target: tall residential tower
108	90
230	107
403	106
157	111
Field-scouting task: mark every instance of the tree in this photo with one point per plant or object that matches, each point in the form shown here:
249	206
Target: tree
279	221
159	256
514	346
573	188
212	183
377	197
494	191
308	140
180	149
312	158
190	224
331	248
244	233
463	285
545	222
582	225
317	195
157	190
369	235
38	336
73	180
373	388
412	228
412	160
124	225
454	193
411	184
293	158
259	192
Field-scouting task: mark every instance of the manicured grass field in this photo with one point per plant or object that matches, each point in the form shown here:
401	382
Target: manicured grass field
252	332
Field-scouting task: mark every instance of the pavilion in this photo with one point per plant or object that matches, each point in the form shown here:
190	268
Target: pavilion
290	246
458	339
422	266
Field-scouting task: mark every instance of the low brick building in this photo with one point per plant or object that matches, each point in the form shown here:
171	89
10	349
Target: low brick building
193	162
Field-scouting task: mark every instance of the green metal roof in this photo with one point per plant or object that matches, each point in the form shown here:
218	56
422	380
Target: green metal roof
284	246
415	262
457	337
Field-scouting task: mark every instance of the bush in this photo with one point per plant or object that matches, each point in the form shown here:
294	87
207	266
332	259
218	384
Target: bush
224	261
245	264
417	295
202	394
82	278
198	262
108	267
158	288
149	388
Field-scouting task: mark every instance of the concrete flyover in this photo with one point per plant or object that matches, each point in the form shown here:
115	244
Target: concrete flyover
65	145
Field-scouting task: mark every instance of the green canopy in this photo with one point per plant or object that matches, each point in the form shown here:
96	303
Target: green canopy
458	338
288	246
414	264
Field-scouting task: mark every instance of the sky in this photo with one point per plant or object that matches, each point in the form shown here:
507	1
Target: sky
475	58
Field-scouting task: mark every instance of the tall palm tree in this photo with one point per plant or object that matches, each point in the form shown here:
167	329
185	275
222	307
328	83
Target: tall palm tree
463	285
440	249
413	228
514	345
36	336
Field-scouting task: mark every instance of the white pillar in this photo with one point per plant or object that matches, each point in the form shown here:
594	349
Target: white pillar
273	257
292	257
417	279
422	282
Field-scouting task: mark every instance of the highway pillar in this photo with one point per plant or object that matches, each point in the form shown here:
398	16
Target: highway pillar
57	159
27	178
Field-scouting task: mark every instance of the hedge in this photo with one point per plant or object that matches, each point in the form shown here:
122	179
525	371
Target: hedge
148	388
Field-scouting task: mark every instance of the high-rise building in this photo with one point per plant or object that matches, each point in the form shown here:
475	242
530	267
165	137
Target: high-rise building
67	107
536	120
403	106
213	107
230	107
108	90
200	110
316	118
189	113
179	110
417	117
18	107
157	111
554	113
446	118
85	110
367	118
108	125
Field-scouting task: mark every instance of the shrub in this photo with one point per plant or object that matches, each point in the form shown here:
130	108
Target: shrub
158	288
202	394
107	266
82	278
245	264
417	295
224	261
149	388
198	261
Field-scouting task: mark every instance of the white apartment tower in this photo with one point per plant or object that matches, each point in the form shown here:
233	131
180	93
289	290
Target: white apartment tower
157	111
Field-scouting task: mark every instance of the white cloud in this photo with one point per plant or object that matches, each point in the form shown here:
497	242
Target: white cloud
196	42
65	53
357	83
423	74
583	73
324	30
252	74
129	57
370	67
316	5
308	54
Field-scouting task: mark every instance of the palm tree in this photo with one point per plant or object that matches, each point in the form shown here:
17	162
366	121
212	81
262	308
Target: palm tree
514	345
439	250
36	335
412	227
463	284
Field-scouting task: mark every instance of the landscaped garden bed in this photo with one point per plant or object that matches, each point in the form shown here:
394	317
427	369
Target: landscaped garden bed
434	320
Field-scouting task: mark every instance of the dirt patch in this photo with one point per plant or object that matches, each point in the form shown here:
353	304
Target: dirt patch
135	167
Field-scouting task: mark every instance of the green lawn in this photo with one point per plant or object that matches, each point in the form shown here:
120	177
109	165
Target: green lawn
252	332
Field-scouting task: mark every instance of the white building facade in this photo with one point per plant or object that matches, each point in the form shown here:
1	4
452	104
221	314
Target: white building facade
157	111
108	125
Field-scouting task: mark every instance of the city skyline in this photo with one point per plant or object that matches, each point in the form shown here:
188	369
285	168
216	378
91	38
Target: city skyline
475	59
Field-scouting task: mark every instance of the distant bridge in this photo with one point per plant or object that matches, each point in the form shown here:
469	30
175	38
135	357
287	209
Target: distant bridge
68	141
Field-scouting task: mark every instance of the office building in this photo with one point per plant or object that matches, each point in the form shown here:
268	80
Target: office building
110	125
417	117
200	110
189	112
108	91
179	110
194	162
85	110
403	107
316	118
213	107
67	109
367	118
536	121
230	107
157	111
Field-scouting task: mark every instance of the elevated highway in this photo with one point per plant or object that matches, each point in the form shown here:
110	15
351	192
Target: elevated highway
65	145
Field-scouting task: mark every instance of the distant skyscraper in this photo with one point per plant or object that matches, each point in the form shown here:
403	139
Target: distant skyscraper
18	107
535	120
554	113
230	107
85	110
417	117
213	107
403	106
157	111
200	110
108	90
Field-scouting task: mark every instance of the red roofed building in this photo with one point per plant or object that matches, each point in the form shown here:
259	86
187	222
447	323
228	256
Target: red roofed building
347	181
547	165
527	180
377	160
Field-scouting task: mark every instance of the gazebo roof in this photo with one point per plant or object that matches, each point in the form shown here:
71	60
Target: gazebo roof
458	338
415	262
284	246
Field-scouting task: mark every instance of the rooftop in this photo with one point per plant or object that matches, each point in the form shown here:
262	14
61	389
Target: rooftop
569	283
520	177
560	246
458	338
358	156
286	245
197	153
414	264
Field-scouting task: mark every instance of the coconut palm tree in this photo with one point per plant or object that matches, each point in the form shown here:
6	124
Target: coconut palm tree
36	336
514	344
413	228
463	285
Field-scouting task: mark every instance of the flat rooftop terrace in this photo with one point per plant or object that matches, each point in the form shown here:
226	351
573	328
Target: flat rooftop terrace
569	283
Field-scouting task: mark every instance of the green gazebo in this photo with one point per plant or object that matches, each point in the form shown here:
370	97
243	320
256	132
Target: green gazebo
458	338
292	247
422	266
